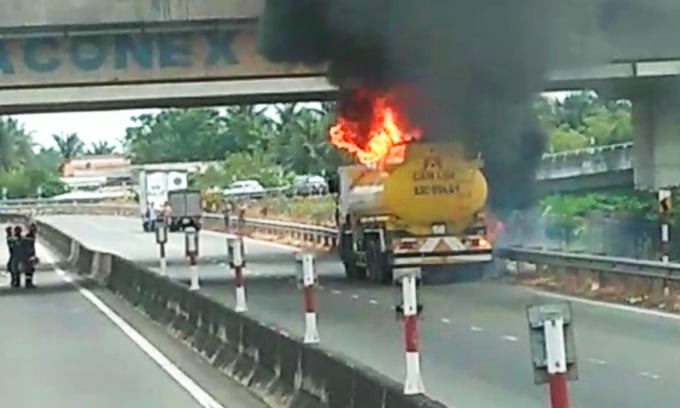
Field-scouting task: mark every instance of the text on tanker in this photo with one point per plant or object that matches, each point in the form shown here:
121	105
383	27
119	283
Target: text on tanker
437	189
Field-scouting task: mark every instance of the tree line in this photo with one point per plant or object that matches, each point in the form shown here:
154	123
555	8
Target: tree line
270	143
27	169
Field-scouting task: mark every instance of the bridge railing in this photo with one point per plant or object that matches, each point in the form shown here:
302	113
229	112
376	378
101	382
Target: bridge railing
588	161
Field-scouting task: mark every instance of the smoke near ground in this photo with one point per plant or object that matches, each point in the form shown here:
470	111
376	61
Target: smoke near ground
476	64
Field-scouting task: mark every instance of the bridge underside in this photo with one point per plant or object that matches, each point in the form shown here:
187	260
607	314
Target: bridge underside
165	95
611	181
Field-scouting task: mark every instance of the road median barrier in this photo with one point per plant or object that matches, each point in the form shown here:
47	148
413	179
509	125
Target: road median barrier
277	367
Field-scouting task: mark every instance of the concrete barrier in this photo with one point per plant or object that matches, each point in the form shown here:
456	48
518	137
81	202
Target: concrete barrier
282	370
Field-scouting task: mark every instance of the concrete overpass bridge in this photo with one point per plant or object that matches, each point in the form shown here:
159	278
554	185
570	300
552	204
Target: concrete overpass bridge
98	54
129	53
601	168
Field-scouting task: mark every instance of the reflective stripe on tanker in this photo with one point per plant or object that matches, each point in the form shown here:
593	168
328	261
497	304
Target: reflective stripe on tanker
441	260
438	244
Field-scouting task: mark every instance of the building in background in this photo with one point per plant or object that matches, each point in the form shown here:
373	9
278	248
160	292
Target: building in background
95	172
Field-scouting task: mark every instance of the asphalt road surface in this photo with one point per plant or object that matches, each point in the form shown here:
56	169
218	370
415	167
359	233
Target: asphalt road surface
60	347
473	337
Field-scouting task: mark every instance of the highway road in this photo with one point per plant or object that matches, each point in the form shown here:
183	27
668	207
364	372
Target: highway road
124	236
474	336
67	346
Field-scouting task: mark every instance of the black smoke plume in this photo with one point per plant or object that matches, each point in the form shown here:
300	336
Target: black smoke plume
475	63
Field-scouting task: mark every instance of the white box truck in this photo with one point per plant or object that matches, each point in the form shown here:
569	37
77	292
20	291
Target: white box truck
154	187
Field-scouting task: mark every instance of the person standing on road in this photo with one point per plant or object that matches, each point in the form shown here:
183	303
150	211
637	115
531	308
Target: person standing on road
15	257
226	211
10	249
242	217
29	255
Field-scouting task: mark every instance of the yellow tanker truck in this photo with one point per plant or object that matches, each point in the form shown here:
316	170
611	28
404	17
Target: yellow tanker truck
425	211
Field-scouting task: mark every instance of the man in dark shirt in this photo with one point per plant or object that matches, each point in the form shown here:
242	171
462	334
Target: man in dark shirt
15	257
29	259
11	242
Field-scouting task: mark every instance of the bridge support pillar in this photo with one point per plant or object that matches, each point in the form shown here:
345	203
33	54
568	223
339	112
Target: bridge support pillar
656	124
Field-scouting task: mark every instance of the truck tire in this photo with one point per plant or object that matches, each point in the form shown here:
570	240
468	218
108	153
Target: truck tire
378	265
349	260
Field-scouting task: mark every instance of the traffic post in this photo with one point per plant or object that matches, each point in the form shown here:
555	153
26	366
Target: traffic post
191	247
553	350
409	310
161	240
665	213
307	277
237	263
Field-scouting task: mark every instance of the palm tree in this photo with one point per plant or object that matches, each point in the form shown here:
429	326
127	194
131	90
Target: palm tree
69	145
16	144
101	147
303	142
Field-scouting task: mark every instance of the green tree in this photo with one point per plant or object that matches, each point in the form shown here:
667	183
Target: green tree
16	144
178	135
69	145
564	138
22	170
48	159
101	148
582	119
302	143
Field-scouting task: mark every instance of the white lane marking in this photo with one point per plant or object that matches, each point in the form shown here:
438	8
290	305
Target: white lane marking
355	297
597	361
199	394
254	240
476	329
321	287
445	320
614	306
336	292
649	375
373	302
510	338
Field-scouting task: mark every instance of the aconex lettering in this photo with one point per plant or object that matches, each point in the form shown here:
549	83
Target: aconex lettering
436	189
120	51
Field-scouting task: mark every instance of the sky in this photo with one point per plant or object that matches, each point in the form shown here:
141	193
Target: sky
93	127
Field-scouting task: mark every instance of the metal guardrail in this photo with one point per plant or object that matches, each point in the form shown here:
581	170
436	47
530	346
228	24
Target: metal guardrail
266	193
14	202
624	267
589	262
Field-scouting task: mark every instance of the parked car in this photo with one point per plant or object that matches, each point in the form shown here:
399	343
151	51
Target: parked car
244	188
309	184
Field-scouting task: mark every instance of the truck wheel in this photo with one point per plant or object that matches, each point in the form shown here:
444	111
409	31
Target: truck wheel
354	271
379	269
349	261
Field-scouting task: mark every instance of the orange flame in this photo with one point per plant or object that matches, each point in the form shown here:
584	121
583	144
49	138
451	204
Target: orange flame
372	139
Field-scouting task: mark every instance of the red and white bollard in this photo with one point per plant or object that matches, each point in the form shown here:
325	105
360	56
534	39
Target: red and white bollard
308	283
191	246
236	262
161	240
414	379
556	360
